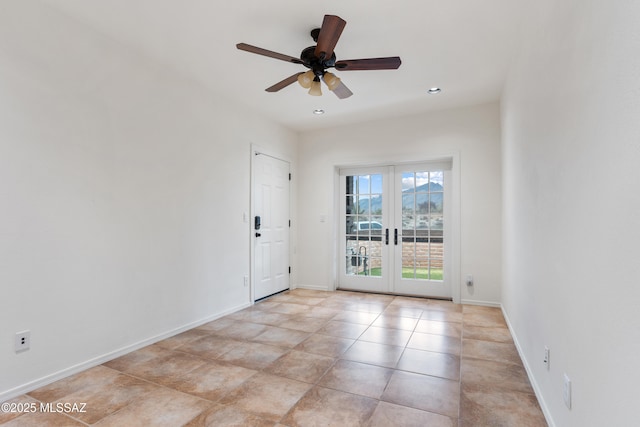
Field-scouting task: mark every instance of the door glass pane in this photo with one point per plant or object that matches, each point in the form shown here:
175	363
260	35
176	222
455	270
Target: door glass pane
436	260
436	178
408	213
376	184
364	225
364	204
408	257
376	225
350	206
422	263
408	182
351	224
375	257
363	184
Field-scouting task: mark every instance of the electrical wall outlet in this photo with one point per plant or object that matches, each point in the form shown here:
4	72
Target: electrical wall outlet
469	280
566	390
22	341
246	281
546	357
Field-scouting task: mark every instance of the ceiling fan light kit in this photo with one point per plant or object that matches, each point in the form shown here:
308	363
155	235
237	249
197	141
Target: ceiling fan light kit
320	57
331	80
305	79
315	89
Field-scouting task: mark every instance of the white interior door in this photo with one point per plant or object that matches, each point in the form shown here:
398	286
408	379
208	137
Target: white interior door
394	229
270	225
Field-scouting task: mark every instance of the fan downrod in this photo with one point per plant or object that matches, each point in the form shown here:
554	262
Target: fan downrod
314	34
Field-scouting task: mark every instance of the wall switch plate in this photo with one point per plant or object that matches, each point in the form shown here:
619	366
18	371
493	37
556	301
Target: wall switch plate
566	390
546	357
22	341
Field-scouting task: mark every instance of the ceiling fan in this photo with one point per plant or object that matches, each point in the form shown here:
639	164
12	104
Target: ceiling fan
320	57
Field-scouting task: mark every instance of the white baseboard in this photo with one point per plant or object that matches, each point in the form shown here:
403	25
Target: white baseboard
48	379
313	287
534	384
482	303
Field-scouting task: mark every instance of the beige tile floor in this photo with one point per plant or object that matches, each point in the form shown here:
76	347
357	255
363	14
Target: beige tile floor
311	358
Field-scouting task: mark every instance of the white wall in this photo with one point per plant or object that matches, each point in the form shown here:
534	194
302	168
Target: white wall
571	150
122	192
472	133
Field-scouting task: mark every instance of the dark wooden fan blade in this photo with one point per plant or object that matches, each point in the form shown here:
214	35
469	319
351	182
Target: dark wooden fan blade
284	83
269	53
330	32
342	91
390	63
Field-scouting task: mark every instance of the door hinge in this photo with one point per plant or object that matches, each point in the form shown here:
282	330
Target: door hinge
289	177
289	270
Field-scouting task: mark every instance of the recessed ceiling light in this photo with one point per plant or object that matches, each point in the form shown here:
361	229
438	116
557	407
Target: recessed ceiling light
318	111
434	90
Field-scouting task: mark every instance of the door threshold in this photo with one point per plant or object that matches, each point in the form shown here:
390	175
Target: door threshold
269	296
394	294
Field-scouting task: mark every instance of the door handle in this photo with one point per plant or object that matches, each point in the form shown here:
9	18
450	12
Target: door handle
258	234
386	236
395	236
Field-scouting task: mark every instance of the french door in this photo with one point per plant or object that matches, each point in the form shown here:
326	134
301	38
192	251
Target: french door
394	229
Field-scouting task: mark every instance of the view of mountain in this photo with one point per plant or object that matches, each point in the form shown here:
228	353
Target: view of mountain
421	194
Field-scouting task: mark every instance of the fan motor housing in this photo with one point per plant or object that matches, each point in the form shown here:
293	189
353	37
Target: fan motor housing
310	60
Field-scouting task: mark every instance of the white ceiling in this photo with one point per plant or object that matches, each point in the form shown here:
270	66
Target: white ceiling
462	46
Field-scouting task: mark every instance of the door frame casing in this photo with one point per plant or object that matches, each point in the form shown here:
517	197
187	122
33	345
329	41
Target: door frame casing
252	212
455	233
